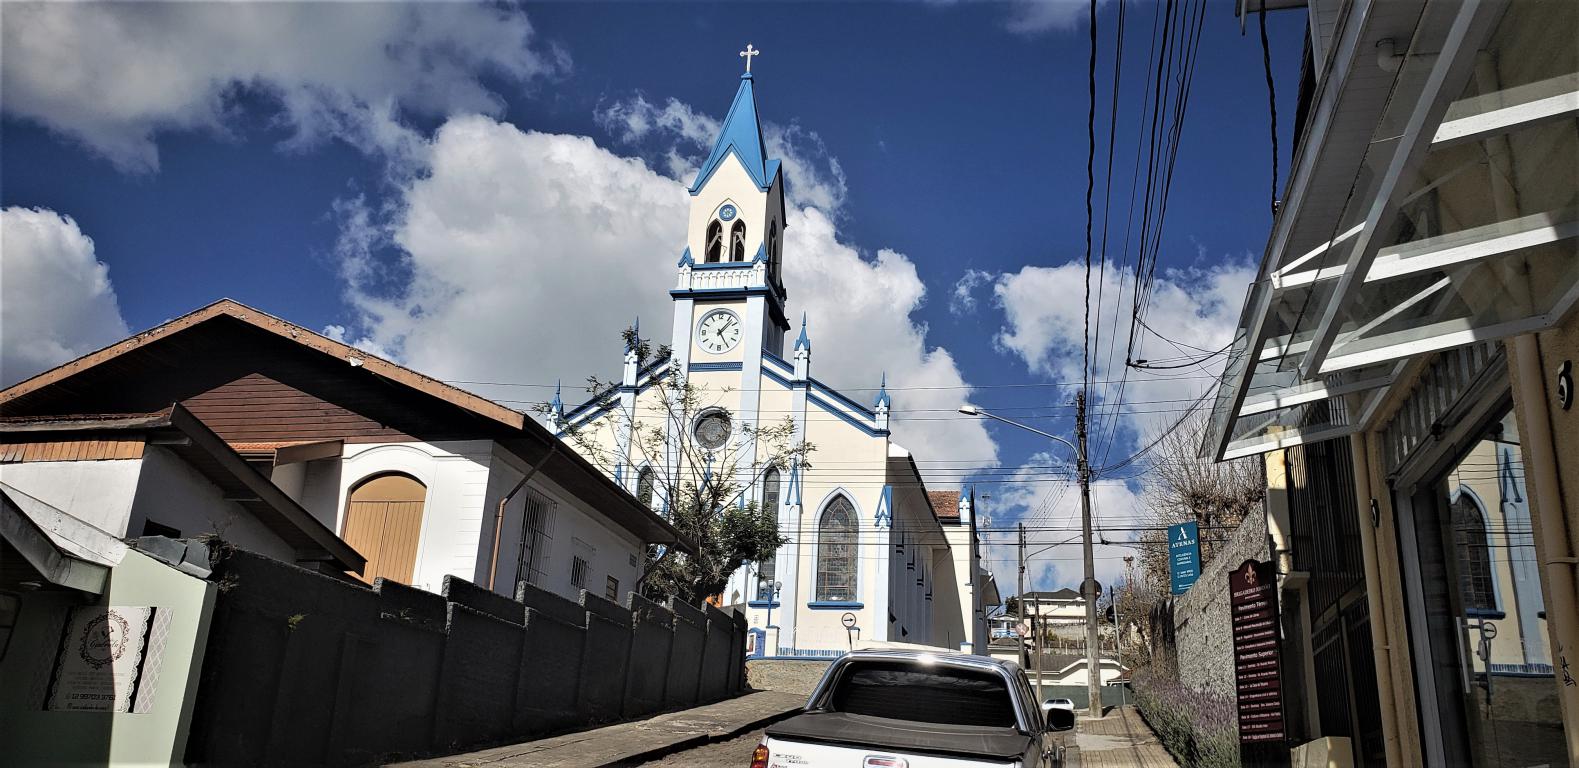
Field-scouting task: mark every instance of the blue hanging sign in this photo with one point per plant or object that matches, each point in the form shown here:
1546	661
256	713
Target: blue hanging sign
1184	555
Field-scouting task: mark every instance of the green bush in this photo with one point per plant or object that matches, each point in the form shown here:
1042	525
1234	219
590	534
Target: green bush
1200	728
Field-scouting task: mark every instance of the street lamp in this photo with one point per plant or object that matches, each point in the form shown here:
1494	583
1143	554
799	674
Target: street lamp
1088	588
772	593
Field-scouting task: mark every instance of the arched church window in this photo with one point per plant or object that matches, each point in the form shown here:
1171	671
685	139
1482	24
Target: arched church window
770	490
715	242
737	241
836	552
1474	554
773	250
644	487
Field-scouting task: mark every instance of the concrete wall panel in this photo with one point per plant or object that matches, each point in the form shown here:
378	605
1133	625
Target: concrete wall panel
304	669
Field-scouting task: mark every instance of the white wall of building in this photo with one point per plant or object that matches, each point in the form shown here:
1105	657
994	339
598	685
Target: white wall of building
170	492
96	492
455	474
117	496
575	529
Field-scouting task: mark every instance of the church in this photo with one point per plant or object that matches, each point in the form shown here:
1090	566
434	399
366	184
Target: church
871	554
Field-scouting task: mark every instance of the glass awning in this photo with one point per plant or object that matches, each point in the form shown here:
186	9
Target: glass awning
1459	223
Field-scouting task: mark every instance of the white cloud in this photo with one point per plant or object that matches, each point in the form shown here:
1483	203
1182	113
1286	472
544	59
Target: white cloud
1196	307
114	75
1030	17
963	300
522	255
56	300
677	137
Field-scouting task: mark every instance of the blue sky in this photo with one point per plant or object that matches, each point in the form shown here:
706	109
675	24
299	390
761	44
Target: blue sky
331	170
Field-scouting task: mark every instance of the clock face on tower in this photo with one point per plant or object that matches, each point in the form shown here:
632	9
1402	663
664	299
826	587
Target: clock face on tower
719	331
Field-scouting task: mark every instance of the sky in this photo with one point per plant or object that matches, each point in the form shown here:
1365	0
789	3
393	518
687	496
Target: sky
490	193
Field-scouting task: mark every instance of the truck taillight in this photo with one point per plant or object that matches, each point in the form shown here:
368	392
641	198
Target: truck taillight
759	758
875	761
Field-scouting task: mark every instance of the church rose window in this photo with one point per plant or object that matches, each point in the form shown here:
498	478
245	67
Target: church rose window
712	430
836	552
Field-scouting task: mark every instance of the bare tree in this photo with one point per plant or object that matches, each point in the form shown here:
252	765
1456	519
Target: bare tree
1185	488
696	471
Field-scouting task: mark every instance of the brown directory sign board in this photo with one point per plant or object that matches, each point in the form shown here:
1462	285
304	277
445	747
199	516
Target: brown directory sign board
1252	590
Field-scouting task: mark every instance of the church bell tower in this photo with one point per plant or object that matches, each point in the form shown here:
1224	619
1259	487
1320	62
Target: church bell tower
729	298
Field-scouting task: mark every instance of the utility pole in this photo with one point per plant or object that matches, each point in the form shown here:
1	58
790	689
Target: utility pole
1019	590
1088	588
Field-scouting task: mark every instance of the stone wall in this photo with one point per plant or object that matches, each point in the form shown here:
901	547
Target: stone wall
1203	637
304	669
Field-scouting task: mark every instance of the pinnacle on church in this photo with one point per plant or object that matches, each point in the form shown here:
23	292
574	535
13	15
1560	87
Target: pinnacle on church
882	393
686	260
803	342
557	405
742	135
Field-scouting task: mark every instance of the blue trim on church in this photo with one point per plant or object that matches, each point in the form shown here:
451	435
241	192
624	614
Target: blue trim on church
857	407
831	408
715	367
778	361
768	372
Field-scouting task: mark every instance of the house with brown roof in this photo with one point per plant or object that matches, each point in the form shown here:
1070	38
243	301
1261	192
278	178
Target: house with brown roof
419	478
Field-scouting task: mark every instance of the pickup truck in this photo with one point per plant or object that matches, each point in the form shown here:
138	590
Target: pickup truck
909	709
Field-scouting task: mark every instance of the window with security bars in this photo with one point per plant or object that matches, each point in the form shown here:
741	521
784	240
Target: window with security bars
578	573
836	552
537	534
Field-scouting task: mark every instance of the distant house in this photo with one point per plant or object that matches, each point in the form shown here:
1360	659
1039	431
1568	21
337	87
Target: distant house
421	478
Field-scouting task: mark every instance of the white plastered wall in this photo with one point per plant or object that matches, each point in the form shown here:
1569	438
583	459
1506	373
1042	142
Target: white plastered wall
455	474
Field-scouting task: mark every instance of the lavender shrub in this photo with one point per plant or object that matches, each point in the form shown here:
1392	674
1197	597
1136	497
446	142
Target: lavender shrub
1200	728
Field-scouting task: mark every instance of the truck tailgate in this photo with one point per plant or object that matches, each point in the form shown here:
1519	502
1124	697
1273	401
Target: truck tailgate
923	744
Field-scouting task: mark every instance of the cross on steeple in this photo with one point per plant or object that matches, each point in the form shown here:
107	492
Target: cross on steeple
747	54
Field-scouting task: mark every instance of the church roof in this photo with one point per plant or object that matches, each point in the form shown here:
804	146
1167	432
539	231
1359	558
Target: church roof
742	135
945	504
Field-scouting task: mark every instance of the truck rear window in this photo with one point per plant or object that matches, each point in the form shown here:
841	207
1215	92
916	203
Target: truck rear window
924	694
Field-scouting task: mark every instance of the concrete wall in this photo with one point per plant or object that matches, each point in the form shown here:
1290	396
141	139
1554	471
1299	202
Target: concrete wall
31	735
303	669
1203	618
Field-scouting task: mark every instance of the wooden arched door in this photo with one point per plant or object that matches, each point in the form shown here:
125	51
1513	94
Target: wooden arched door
383	522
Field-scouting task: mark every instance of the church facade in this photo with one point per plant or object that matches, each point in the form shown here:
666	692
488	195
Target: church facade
870	556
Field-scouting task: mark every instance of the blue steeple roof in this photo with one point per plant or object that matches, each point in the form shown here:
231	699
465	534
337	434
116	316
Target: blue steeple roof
882	393
742	135
804	342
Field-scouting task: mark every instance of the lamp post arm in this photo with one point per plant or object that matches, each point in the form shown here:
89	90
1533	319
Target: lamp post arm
1028	428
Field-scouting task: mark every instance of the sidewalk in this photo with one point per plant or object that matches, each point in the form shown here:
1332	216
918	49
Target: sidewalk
636	741
1118	738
